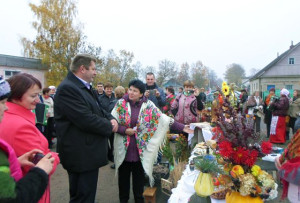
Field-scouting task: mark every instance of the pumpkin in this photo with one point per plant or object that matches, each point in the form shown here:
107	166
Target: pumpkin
235	197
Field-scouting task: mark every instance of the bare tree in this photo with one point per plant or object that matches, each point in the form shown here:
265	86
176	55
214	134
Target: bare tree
167	70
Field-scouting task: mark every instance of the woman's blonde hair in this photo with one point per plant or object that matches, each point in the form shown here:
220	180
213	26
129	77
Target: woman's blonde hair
119	92
188	83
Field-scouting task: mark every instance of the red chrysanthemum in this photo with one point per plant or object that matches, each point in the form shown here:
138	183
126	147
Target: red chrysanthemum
239	155
225	149
251	158
266	147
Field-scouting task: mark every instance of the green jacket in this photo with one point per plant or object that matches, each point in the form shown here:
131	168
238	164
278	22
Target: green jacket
294	108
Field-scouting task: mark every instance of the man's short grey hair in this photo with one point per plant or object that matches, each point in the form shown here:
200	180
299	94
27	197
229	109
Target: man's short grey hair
82	59
150	73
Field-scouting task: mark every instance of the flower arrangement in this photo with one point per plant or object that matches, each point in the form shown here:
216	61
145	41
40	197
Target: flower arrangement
225	88
239	147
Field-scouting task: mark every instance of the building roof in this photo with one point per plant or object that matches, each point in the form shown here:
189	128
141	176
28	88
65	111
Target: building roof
172	82
270	65
21	62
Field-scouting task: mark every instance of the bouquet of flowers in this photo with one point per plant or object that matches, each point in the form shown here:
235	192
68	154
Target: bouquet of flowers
239	147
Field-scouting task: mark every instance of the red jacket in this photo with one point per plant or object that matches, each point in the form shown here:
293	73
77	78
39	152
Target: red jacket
19	131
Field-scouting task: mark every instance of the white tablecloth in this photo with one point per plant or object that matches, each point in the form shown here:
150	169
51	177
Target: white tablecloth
205	130
185	186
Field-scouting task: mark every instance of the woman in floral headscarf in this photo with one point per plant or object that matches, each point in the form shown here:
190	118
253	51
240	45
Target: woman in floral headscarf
280	109
288	165
142	130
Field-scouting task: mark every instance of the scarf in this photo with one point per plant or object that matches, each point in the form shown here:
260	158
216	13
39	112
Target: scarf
268	99
290	159
151	129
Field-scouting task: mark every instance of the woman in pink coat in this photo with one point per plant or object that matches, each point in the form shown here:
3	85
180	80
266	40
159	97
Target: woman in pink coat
18	125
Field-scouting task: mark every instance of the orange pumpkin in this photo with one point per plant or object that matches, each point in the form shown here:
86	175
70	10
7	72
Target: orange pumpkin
235	197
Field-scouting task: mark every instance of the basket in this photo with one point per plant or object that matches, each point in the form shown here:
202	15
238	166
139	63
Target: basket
220	194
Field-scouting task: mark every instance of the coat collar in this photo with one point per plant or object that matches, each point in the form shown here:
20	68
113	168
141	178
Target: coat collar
20	111
74	79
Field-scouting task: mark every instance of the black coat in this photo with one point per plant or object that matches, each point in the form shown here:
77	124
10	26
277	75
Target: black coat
82	126
107	103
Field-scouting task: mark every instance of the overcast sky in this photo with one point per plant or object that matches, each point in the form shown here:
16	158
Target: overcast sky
217	32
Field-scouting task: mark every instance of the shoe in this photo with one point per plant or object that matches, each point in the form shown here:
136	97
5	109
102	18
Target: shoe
113	166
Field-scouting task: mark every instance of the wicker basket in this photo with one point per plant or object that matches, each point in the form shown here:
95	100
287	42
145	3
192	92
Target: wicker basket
220	194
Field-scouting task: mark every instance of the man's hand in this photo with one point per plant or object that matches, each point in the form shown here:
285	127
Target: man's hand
26	159
196	92
157	93
187	129
115	125
130	131
147	93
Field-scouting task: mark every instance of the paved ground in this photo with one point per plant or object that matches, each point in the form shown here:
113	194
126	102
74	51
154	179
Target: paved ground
107	191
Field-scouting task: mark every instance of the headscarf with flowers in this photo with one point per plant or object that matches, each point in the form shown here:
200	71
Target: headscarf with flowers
290	160
151	128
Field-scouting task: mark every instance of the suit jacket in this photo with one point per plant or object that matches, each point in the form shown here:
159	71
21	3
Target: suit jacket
82	126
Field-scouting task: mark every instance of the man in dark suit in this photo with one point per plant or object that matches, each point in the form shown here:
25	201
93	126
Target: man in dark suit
83	128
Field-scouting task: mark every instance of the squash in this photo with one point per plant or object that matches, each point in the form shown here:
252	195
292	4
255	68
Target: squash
204	185
235	197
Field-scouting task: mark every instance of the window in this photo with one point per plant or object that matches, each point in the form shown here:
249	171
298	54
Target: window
270	86
289	87
291	61
9	73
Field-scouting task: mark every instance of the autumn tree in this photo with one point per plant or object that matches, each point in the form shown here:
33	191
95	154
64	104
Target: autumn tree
199	74
253	71
213	80
234	73
130	75
125	60
58	38
138	68
116	69
167	70
108	69
183	74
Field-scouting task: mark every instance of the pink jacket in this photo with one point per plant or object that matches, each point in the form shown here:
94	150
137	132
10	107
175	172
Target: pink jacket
19	131
187	109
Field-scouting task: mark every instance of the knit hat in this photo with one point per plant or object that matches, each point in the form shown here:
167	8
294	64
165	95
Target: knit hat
4	89
51	87
285	92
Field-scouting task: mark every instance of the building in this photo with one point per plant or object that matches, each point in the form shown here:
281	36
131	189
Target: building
282	72
172	82
11	65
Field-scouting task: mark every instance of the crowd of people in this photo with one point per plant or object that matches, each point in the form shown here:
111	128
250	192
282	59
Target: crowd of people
126	125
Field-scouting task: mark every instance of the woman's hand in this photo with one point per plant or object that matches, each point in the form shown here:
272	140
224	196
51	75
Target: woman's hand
187	129
130	131
277	163
46	163
196	92
26	159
